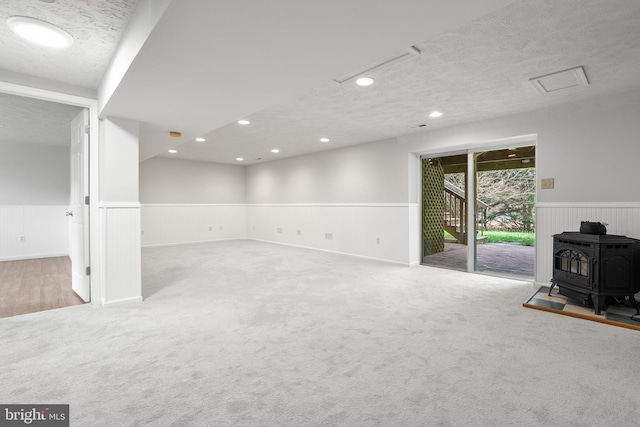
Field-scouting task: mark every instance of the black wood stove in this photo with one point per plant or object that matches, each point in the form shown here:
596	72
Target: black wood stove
592	267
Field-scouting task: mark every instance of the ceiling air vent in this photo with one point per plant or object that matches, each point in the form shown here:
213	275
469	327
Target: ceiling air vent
410	52
561	80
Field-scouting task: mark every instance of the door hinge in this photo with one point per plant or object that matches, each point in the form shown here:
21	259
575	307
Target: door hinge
87	128
86	200
88	271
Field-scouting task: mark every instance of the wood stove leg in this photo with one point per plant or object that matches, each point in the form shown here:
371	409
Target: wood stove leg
598	302
551	288
632	300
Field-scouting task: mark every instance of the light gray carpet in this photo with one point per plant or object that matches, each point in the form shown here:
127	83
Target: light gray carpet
247	333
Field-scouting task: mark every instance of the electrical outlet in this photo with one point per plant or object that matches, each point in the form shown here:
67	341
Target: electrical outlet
220	227
210	228
142	232
377	240
299	232
546	183
279	230
23	238
328	236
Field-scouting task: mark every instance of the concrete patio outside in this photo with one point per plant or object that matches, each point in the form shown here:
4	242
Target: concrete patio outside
503	259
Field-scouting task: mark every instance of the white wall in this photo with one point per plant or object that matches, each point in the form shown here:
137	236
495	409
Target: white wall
367	173
589	148
33	231
34	174
358	195
119	161
186	201
34	196
367	192
119	212
177	181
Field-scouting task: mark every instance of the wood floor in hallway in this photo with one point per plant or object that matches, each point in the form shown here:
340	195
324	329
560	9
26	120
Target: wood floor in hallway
28	286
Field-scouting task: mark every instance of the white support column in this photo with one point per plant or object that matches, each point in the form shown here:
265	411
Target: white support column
471	212
119	216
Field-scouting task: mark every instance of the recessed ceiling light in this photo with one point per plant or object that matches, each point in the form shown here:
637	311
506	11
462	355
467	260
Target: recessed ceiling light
40	32
275	150
239	159
201	139
364	81
173	151
324	139
435	114
174	134
243	122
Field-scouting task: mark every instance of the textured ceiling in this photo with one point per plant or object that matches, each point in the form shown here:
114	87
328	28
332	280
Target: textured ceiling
473	73
96	27
470	71
32	121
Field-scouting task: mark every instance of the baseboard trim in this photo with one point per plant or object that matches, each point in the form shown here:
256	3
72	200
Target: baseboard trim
122	301
160	245
405	264
32	256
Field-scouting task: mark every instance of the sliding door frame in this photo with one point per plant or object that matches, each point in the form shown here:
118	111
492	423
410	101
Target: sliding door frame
472	151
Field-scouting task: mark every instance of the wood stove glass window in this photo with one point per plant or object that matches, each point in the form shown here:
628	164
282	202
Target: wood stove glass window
572	262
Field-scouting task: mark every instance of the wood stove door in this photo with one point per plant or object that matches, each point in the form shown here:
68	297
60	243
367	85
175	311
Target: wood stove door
573	266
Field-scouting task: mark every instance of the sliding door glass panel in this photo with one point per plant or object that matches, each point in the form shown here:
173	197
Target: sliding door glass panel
444	236
505	199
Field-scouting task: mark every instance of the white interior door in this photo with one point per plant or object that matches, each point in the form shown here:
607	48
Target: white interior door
79	208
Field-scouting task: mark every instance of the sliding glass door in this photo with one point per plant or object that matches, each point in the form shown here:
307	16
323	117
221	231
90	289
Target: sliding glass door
477	211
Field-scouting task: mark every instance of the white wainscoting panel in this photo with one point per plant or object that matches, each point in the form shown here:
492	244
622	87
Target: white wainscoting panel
169	224
415	232
33	231
121	258
553	218
378	231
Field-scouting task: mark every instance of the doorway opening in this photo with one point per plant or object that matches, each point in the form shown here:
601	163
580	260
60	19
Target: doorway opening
37	265
495	234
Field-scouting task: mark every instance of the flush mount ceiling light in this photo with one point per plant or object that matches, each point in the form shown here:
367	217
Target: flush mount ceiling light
435	114
239	159
365	81
40	32
324	140
201	139
243	122
173	151
275	150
